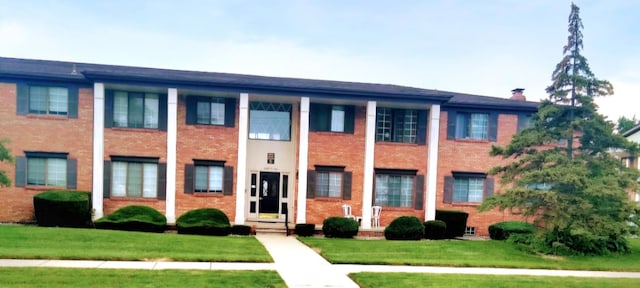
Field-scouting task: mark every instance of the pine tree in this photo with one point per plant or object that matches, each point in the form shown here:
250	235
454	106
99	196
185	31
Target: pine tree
578	197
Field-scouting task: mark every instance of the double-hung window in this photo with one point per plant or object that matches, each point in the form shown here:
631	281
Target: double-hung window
331	118
47	99
472	126
467	187
270	121
135	110
132	179
329	182
208	178
394	190
46	169
210	111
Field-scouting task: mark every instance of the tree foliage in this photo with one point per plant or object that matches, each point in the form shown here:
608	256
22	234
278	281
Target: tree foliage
5	156
577	197
625	124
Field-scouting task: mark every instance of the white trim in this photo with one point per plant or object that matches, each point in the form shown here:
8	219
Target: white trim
432	164
98	150
369	154
303	160
241	171
172	138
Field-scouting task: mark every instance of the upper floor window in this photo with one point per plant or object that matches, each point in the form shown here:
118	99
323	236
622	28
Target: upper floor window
331	118
135	110
524	121
204	110
270	121
46	169
398	188
401	125
467	187
211	112
47	100
472	125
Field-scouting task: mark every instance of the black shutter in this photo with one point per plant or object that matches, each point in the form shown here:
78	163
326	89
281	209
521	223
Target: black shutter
163	100
72	173
488	190
349	118
448	190
227	187
421	133
188	178
346	185
451	124
192	113
493	126
162	181
72	110
230	112
21	171
311	185
108	109
23	98
106	179
419	204
319	117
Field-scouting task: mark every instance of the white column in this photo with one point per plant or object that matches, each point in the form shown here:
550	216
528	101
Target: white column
369	153
432	165
241	172
172	139
303	160
98	150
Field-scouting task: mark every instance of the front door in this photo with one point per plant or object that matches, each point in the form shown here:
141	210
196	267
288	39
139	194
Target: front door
269	195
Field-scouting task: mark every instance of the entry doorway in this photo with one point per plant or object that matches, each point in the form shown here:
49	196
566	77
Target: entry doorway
269	195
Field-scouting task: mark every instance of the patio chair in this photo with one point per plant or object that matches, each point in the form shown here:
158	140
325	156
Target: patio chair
346	211
375	216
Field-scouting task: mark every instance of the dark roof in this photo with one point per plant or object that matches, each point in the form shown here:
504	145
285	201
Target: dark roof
88	73
631	131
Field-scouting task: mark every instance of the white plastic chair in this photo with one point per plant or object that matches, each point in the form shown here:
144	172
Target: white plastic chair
375	216
346	211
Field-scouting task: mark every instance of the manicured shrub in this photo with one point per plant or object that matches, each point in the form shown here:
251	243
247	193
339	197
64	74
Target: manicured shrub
134	218
435	229
456	222
205	221
339	227
63	208
241	230
305	230
502	230
404	228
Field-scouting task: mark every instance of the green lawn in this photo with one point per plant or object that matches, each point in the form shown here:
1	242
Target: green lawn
71	277
412	280
462	254
32	242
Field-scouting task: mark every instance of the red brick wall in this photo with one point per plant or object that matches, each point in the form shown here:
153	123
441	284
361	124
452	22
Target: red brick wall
473	156
47	134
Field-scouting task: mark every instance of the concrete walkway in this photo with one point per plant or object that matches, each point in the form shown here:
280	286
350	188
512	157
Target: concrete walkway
300	266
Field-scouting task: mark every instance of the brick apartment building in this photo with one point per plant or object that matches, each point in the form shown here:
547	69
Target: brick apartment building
254	147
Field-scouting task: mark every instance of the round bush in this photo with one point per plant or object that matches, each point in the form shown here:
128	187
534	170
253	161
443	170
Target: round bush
404	228
502	230
63	208
339	227
134	218
435	229
305	230
205	221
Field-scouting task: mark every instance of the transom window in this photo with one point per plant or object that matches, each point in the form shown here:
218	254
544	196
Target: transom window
135	110
329	184
394	190
134	179
210	111
396	125
48	100
208	178
468	189
43	171
472	126
270	121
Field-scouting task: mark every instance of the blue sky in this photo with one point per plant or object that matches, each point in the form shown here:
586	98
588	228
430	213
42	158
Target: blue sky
481	47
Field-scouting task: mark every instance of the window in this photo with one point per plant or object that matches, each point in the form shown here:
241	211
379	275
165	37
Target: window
467	187
46	169
133	179
331	118
524	121
329	182
211	112
470	231
396	125
205	110
472	125
394	190
270	121
208	179
135	110
208	176
47	99
539	186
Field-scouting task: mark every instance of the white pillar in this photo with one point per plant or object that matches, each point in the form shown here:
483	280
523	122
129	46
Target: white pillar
432	165
98	150
241	172
369	154
172	139
303	160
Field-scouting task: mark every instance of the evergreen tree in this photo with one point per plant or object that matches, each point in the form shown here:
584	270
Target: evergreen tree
4	157
577	197
625	124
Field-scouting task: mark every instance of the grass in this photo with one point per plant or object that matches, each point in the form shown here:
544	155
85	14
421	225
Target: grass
458	280
458	253
72	277
32	242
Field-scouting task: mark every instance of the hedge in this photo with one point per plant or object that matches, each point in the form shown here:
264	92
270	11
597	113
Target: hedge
456	222
435	229
134	218
63	208
502	230
340	227
205	221
404	228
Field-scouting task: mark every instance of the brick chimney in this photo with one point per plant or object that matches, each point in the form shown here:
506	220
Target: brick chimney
516	94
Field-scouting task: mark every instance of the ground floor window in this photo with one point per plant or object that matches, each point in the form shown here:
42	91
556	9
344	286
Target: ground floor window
208	178
394	190
131	179
43	171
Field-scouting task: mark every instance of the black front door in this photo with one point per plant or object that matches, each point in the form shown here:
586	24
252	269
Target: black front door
269	192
